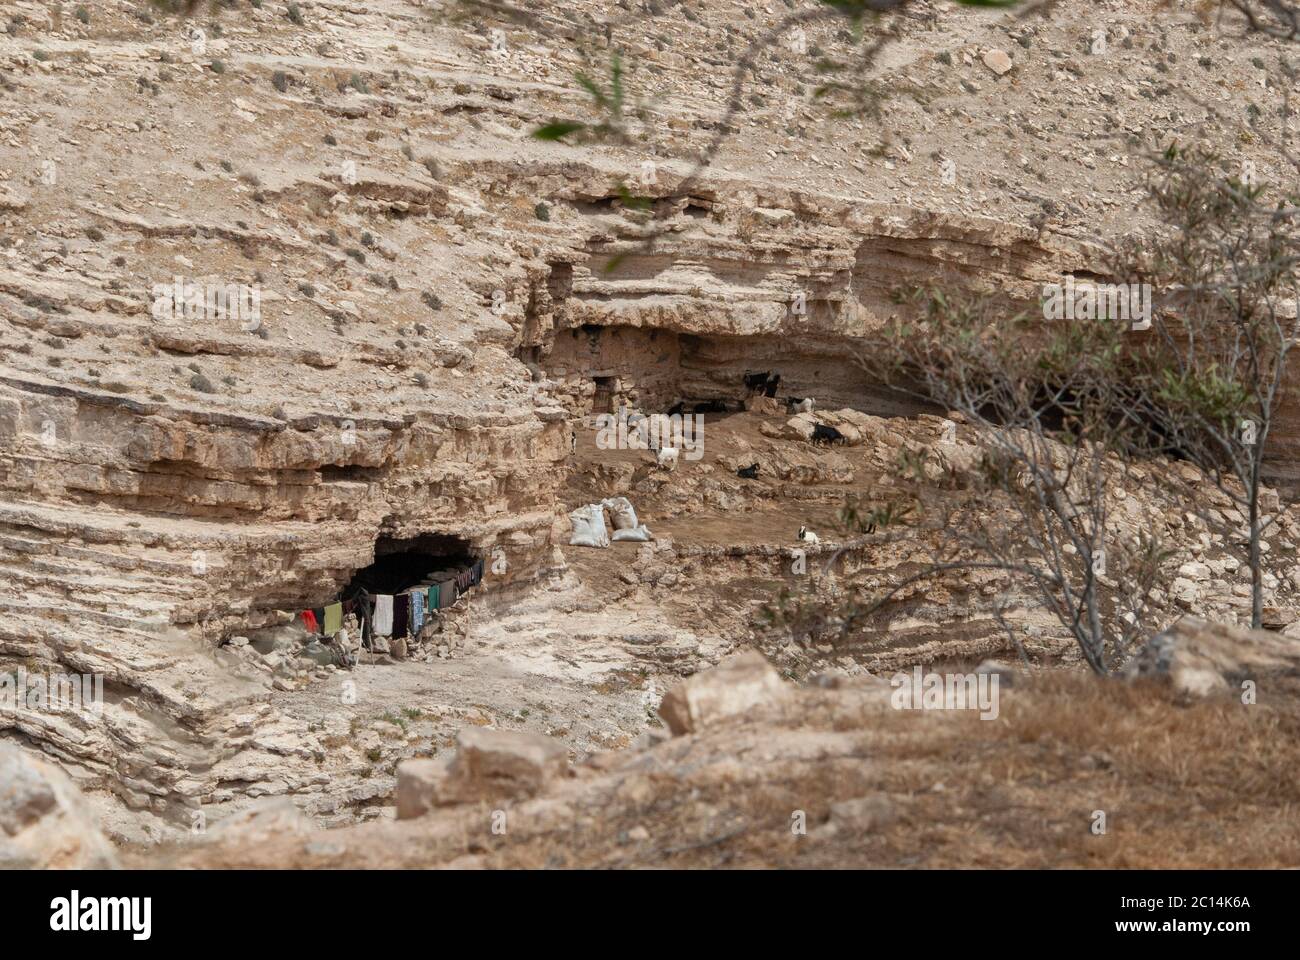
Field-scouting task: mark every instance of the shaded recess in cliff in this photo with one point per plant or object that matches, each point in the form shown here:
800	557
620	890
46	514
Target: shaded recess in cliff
655	369
401	563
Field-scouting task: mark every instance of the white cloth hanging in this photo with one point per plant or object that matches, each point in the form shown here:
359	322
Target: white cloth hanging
383	615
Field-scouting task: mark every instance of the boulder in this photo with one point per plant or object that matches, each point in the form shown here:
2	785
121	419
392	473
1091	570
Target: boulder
770	406
44	821
800	427
732	688
417	786
1199	658
491	765
266	819
510	762
864	424
284	638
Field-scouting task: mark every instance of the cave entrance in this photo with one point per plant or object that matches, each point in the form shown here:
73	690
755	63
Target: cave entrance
403	563
603	401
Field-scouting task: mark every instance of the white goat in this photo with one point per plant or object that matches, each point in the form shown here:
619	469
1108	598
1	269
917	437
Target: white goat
807	536
803	406
668	458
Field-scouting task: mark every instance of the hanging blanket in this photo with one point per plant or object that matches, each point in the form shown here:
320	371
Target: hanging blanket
446	594
333	619
401	614
383	615
417	611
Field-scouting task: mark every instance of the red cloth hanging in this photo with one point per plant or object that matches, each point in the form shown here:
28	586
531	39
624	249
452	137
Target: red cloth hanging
309	620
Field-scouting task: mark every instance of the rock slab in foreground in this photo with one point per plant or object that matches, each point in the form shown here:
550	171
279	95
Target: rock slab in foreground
737	684
1200	658
44	822
489	765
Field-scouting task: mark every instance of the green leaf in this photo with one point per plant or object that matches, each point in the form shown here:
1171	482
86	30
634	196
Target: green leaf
557	130
631	201
616	81
590	86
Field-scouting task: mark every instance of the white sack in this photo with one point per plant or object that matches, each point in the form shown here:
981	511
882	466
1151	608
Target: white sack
641	533
621	513
589	527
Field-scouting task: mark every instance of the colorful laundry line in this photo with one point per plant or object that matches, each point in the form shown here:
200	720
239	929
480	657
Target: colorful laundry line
394	615
328	619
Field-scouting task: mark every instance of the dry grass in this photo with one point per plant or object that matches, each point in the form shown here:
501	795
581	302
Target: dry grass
1209	783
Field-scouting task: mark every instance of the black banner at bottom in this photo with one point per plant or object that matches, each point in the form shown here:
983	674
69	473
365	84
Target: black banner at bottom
213	909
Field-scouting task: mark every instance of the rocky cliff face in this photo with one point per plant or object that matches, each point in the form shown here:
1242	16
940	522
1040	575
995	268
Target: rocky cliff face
768	281
434	318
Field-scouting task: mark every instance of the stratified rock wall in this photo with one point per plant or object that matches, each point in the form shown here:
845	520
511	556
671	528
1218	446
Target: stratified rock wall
434	305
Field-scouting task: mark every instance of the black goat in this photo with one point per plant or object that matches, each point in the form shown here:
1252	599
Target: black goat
749	473
825	434
710	406
765	384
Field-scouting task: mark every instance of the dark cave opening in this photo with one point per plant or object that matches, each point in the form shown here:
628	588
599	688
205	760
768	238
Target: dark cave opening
402	563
